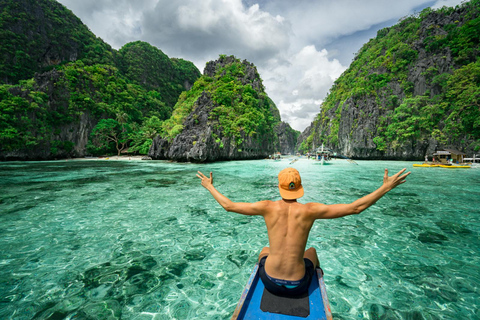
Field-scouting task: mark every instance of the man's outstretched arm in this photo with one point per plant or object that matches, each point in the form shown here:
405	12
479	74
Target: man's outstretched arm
322	211
257	208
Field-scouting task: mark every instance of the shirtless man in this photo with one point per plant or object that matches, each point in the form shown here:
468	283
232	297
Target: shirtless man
285	267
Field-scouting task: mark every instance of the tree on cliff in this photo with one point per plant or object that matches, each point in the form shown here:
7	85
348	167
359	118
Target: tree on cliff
142	136
109	131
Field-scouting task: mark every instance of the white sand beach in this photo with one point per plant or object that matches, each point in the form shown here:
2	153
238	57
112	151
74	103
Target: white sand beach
109	158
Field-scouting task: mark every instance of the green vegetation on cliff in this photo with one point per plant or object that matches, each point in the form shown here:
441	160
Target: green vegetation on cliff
149	67
81	85
424	76
238	108
31	115
37	35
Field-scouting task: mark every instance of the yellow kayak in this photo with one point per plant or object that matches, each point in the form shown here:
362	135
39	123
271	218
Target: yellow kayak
426	165
455	167
441	166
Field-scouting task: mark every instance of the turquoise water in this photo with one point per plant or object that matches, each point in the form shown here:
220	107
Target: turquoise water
143	240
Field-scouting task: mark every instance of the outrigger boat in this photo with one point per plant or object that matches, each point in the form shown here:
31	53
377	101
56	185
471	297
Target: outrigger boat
323	155
258	303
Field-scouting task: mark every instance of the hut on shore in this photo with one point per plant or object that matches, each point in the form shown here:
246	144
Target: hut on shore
449	156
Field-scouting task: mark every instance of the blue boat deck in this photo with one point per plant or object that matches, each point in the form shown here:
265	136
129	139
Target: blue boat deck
249	305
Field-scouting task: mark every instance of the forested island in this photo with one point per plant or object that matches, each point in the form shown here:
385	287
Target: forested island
226	115
412	89
66	93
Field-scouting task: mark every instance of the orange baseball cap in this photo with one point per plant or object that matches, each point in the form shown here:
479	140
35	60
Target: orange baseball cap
290	184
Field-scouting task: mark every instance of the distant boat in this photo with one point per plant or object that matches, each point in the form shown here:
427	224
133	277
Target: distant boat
323	155
277	157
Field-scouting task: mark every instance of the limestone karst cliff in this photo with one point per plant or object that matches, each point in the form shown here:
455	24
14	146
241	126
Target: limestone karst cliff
225	116
66	93
58	82
412	89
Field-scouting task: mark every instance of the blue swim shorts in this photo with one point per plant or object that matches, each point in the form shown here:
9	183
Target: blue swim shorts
286	287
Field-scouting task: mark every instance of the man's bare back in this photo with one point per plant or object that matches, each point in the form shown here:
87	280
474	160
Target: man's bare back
289	222
288	227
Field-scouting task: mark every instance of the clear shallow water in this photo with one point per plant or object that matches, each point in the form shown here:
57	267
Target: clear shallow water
143	240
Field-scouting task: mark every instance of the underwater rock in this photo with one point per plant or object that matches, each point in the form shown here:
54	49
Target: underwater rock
431	237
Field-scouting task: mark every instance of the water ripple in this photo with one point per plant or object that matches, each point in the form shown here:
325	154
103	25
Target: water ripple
143	240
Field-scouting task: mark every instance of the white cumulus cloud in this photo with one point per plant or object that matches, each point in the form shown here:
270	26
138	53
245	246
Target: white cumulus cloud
202	30
299	84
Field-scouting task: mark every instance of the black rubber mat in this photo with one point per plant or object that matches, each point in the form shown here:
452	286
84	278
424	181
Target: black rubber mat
291	306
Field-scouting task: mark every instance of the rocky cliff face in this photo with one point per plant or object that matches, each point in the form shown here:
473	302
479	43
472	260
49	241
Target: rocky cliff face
76	132
201	141
399	104
205	138
287	138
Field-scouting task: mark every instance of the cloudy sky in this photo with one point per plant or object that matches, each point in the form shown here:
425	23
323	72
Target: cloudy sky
299	47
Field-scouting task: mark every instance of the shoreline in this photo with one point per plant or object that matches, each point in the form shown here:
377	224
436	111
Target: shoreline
114	158
139	158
